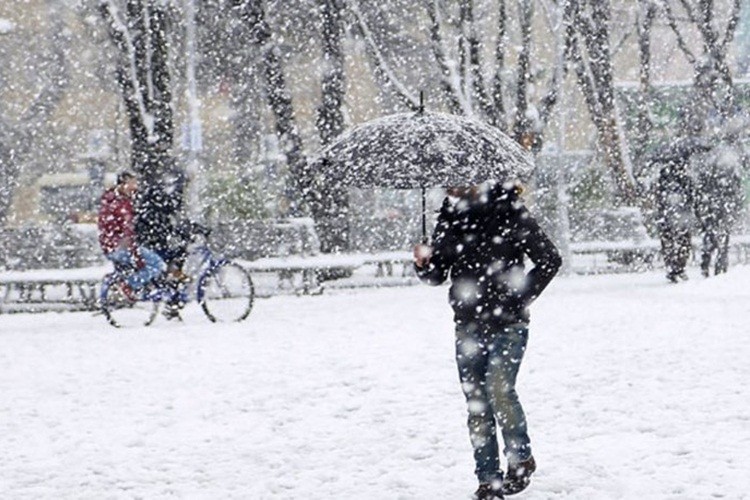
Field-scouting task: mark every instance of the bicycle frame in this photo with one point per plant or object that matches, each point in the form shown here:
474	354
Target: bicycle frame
207	263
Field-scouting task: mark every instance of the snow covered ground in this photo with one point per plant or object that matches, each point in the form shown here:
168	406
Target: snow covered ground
634	389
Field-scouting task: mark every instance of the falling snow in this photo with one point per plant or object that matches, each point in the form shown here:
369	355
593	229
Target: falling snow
314	143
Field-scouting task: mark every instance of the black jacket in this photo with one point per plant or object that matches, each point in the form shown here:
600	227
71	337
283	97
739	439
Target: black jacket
718	200
482	245
674	197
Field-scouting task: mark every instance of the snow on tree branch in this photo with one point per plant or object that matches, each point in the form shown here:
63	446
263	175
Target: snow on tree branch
475	62
381	65
123	39
450	82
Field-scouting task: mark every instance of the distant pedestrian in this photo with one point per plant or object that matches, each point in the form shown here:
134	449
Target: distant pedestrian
718	203
117	235
482	236
674	202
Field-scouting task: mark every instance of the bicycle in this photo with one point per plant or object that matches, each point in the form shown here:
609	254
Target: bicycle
223	288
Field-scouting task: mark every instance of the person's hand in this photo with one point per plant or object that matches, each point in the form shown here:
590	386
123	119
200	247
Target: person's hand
422	255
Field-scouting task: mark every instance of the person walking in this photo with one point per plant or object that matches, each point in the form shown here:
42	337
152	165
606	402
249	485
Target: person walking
117	235
674	205
718	203
482	237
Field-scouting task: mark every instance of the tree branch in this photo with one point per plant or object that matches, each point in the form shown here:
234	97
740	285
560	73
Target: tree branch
523	77
734	20
448	79
383	70
680	40
564	37
497	85
475	63
120	35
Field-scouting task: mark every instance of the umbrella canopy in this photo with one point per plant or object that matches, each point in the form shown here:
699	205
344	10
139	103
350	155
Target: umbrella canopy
418	150
679	150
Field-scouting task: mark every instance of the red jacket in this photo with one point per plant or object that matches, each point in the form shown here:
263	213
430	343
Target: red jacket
116	222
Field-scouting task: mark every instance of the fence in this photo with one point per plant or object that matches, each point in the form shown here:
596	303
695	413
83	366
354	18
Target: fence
77	289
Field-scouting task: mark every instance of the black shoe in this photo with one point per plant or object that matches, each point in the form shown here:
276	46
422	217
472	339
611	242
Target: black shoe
170	312
683	276
519	476
489	491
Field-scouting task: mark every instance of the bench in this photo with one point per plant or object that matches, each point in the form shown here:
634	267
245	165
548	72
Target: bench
626	253
645	253
302	273
59	289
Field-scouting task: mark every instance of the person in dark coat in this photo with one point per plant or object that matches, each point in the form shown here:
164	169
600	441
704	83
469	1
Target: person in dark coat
674	202
482	237
158	227
718	202
155	214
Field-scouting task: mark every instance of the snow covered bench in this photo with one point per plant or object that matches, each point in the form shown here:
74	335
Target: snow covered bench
45	289
77	289
627	253
302	273
645	253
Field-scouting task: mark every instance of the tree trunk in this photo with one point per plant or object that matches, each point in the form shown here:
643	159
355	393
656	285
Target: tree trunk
610	144
9	170
522	131
643	125
144	80
591	56
331	207
280	101
499	119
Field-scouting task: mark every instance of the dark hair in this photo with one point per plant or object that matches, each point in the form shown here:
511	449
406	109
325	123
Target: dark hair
124	177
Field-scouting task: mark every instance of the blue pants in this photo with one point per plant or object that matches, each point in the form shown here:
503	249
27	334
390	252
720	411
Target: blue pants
153	266
488	362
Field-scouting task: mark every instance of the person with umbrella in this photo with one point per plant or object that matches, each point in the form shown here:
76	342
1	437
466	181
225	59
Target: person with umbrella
482	236
674	203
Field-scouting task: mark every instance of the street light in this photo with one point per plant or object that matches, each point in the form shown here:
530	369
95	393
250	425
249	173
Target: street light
194	129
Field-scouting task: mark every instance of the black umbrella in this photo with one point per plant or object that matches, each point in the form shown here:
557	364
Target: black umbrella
422	150
679	150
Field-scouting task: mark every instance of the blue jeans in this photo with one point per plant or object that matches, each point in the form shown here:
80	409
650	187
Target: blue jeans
488	360
153	266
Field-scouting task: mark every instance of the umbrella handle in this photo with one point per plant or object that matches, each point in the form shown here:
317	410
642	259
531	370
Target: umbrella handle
424	217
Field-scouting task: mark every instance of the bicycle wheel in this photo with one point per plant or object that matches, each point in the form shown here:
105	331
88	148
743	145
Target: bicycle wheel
226	293
123	312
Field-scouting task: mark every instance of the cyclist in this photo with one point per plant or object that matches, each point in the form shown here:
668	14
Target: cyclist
117	236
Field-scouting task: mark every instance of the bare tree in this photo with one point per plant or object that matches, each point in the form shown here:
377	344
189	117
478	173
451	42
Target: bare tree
464	85
714	82
330	209
139	33
328	204
279	100
330	116
591	56
647	11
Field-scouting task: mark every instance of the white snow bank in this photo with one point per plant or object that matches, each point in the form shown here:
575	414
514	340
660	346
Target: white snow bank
634	389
